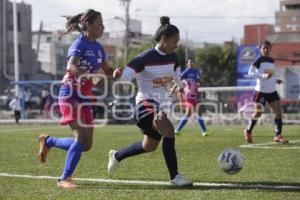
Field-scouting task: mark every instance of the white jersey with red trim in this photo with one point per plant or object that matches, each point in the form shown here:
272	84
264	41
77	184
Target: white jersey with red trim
258	69
155	72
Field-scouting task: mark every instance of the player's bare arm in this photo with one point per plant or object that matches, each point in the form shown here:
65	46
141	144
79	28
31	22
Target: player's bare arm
108	70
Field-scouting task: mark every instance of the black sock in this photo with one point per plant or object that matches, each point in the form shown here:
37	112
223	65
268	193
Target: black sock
251	125
278	126
131	150
168	147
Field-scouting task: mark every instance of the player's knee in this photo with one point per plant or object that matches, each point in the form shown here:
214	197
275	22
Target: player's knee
257	114
278	115
158	118
149	148
189	114
169	133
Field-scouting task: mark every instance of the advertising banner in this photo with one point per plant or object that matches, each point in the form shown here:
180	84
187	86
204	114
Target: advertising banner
246	55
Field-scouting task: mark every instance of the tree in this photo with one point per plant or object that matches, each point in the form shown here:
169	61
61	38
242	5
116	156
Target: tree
180	51
218	65
135	51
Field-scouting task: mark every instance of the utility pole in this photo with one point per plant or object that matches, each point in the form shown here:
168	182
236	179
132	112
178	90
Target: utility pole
4	64
16	49
126	34
186	46
39	39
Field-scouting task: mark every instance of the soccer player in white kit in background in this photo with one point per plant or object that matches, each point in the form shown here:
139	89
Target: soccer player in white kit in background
263	69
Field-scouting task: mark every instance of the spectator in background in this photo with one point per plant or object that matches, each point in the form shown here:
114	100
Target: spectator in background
15	105
27	99
45	97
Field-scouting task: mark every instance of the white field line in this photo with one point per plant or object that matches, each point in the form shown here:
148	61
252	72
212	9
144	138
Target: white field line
32	129
164	183
272	145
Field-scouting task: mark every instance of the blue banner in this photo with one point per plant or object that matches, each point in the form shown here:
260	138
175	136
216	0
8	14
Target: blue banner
246	55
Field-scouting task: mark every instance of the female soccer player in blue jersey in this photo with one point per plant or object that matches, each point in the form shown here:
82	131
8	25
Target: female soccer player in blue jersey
191	78
85	56
263	69
154	70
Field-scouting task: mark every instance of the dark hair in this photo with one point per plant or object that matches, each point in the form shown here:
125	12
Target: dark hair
265	43
166	29
79	21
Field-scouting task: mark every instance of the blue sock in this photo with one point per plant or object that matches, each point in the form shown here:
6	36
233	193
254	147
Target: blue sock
251	125
62	143
132	150
278	126
73	157
181	123
168	147
201	123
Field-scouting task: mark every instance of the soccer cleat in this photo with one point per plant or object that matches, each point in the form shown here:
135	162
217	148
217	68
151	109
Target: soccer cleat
280	139
207	133
67	183
43	147
113	163
179	180
248	136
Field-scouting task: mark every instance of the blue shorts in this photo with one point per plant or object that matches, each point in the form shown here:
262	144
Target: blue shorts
144	115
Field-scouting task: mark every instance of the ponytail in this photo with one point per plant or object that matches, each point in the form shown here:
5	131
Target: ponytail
166	28
79	21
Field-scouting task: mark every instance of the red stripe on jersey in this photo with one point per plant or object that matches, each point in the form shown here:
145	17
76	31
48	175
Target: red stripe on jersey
147	106
159	64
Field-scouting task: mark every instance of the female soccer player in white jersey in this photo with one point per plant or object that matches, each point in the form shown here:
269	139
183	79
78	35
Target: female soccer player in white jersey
263	69
154	70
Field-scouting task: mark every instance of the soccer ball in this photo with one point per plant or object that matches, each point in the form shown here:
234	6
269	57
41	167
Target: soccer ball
231	161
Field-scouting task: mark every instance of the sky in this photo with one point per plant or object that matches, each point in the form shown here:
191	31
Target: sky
198	20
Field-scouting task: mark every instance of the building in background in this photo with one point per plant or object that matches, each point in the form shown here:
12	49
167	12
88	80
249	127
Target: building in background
27	61
52	47
288	17
254	33
51	50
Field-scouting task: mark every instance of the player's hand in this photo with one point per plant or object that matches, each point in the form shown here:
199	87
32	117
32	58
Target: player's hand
83	76
96	80
267	75
180	97
181	91
279	81
117	73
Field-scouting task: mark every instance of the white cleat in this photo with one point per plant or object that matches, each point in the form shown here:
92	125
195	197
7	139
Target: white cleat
113	163
181	181
208	133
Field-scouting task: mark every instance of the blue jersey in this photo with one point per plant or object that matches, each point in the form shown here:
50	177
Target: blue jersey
191	78
91	55
191	75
